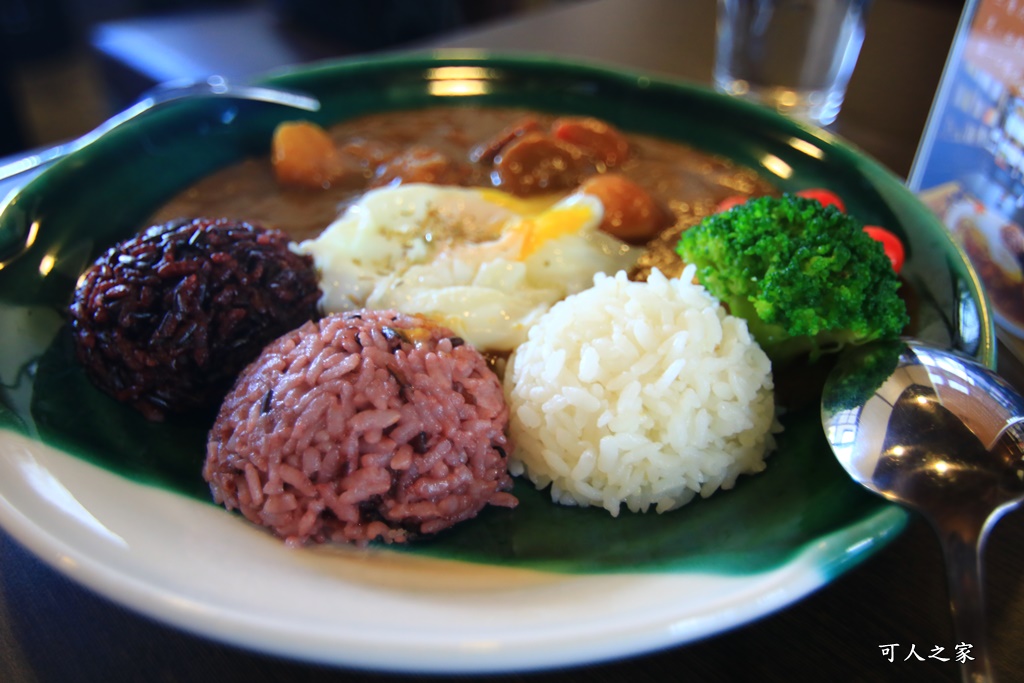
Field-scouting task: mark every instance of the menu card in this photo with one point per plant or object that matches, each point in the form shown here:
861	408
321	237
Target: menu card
969	168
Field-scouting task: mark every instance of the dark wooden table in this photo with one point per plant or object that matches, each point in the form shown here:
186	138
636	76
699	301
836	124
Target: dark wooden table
52	630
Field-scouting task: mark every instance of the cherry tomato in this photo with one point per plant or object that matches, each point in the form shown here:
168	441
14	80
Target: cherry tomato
730	202
890	242
825	197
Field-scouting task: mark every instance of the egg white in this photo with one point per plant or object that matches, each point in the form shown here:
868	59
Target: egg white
484	263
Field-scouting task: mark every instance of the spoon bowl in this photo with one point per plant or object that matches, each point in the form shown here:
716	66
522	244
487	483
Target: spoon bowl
940	434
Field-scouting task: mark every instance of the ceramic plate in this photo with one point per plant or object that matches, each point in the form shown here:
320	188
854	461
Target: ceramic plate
119	504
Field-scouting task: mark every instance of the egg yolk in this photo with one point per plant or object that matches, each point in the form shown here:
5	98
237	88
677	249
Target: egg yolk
566	220
540	220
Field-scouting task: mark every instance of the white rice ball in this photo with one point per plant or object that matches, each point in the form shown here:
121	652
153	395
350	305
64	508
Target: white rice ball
643	393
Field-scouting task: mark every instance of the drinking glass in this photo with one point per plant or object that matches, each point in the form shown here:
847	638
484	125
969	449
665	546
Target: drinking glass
795	56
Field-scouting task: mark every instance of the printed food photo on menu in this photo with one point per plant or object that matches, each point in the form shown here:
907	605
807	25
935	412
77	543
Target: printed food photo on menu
970	167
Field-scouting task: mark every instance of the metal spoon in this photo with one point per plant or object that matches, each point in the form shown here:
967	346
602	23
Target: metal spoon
214	86
940	434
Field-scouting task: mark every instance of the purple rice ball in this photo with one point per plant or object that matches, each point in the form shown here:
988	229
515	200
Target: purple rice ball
364	426
167	319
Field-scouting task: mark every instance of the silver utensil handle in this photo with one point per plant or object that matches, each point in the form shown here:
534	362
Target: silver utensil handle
214	86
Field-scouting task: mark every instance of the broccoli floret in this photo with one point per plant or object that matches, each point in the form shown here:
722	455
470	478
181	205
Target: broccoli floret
807	278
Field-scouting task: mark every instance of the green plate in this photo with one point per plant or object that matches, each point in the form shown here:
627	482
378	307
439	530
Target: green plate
90	477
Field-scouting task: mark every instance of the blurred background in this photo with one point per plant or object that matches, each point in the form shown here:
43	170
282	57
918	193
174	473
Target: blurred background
65	65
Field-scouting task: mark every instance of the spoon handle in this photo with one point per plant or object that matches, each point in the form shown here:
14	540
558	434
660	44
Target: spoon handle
963	549
214	86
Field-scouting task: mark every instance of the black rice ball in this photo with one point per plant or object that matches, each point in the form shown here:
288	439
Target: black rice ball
166	320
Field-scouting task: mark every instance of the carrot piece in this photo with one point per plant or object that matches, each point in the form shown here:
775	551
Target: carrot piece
304	155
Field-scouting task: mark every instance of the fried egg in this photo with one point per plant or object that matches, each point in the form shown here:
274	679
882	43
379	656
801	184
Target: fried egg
482	262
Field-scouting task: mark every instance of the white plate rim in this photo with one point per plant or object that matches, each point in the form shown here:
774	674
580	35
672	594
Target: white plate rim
39	514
